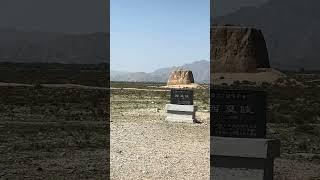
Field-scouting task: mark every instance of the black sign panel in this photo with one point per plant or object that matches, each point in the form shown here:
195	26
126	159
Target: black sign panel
238	113
181	97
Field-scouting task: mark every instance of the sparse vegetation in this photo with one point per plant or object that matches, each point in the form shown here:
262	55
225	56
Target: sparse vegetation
40	122
53	125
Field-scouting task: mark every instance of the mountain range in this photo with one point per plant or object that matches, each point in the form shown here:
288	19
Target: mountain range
223	7
200	69
291	29
47	47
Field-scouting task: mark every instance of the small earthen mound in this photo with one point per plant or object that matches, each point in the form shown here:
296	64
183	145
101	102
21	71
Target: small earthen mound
180	77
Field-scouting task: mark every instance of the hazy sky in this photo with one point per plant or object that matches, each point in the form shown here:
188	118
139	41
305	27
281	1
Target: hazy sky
151	34
55	15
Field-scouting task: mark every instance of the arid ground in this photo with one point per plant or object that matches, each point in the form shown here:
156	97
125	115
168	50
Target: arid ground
145	146
53	132
61	131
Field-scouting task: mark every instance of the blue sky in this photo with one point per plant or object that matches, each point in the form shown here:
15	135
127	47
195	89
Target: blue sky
151	34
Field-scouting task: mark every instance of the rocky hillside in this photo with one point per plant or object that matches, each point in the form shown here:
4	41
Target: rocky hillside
291	29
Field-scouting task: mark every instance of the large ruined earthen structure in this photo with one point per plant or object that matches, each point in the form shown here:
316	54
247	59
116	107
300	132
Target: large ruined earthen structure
180	77
237	50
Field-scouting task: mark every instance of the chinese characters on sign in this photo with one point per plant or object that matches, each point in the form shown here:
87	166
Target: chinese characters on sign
181	97
238	113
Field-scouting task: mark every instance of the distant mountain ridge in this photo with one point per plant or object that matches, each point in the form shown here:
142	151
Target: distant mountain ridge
291	29
200	69
50	47
224	7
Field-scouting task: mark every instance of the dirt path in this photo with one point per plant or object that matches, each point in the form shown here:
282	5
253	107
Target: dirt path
4	84
78	86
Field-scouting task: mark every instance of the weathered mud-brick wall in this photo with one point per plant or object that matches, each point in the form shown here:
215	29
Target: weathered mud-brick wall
180	77
237	49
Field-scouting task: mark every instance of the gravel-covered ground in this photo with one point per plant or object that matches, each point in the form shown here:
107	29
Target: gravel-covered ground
145	146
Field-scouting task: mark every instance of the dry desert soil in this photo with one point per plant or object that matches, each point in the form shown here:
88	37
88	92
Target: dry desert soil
145	146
